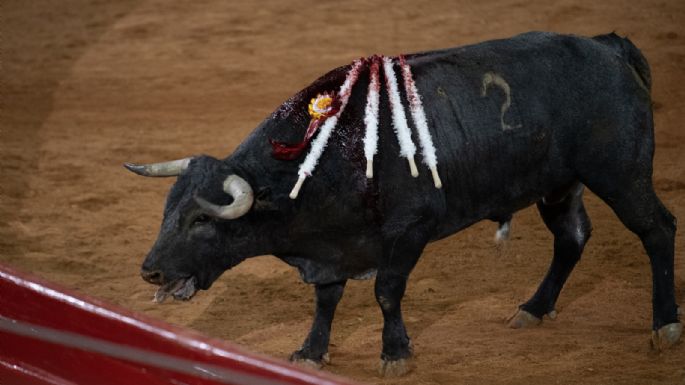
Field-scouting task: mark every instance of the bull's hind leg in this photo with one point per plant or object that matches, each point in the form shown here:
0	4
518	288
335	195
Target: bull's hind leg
314	350
637	206
566	218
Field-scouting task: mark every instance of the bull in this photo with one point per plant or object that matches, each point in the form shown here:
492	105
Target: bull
533	119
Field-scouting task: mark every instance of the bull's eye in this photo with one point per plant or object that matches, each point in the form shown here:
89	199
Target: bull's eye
201	220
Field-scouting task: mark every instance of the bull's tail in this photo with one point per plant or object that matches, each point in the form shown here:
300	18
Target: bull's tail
631	54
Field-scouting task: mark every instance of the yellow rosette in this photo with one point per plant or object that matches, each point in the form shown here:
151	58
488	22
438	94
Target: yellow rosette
321	106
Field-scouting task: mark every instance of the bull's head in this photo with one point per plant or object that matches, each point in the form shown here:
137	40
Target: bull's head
199	237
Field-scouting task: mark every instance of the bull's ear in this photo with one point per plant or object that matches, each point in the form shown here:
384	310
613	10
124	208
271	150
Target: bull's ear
263	200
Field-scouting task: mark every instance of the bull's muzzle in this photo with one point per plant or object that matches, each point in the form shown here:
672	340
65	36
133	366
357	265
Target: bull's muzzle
155	277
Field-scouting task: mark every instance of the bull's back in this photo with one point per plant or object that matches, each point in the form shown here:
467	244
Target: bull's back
513	117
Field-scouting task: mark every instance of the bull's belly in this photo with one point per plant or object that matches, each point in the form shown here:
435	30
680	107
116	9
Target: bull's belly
500	200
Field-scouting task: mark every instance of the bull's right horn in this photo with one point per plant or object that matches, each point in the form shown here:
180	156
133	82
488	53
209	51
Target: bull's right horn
242	194
171	168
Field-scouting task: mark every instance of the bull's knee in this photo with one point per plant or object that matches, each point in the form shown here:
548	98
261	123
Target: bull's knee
578	241
389	292
574	235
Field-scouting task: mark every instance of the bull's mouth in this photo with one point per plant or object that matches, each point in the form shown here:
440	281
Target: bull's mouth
181	289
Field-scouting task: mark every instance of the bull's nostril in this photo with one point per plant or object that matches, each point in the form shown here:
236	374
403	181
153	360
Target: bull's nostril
155	277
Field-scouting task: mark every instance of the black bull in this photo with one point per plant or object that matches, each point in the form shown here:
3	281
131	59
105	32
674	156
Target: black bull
521	121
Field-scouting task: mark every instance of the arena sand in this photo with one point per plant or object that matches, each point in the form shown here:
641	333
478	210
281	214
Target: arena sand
88	85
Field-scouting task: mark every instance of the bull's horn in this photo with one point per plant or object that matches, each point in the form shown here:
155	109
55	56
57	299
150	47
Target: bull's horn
172	168
242	194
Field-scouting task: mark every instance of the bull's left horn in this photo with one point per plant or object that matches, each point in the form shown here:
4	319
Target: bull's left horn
243	197
172	168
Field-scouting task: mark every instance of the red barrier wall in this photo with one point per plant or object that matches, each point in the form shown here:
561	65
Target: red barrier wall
49	335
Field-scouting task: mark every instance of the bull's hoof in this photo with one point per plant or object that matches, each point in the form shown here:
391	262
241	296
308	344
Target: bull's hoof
522	319
667	336
394	368
307	363
301	359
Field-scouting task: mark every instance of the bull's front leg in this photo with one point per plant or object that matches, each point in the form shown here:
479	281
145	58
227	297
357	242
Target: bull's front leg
397	349
314	350
400	254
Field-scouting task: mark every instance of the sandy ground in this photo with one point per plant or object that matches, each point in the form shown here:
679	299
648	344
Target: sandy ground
89	84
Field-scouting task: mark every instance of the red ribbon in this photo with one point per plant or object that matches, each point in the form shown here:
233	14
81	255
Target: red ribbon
292	151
